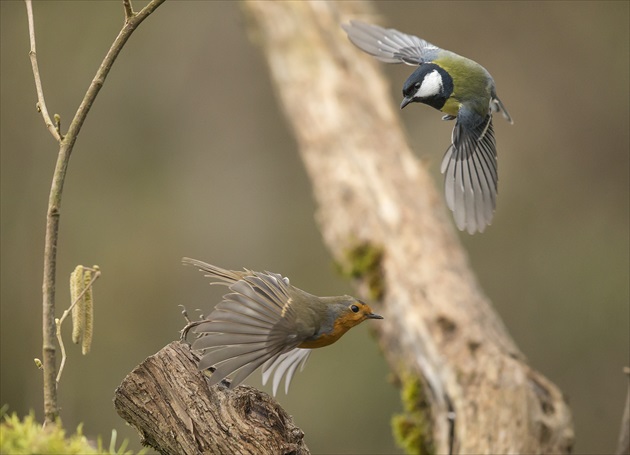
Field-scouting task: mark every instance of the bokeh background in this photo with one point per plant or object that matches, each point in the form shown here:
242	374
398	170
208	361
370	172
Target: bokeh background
185	153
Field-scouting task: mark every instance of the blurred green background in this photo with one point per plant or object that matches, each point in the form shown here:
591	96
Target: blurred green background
185	153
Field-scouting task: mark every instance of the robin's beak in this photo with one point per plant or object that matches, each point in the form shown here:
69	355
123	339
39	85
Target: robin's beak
406	100
373	316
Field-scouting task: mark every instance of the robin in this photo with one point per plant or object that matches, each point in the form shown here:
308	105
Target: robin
264	320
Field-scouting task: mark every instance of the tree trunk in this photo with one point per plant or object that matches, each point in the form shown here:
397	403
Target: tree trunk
467	387
171	405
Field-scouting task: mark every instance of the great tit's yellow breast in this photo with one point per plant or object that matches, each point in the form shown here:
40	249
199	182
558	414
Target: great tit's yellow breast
451	107
471	83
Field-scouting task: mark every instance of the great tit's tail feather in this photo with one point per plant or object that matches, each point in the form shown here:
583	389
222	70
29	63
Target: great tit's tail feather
497	106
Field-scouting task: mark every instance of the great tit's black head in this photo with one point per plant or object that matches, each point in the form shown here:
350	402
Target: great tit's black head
429	84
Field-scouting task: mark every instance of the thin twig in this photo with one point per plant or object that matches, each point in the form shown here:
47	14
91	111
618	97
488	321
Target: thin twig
51	408
128	9
105	67
58	322
57	118
41	102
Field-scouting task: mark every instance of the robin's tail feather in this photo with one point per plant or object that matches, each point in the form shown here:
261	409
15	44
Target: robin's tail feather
227	276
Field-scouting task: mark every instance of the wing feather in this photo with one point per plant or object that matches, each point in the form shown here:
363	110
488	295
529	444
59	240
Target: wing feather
470	173
285	362
390	45
250	327
231	365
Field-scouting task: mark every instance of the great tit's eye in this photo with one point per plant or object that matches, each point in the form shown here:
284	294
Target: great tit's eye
417	85
354	308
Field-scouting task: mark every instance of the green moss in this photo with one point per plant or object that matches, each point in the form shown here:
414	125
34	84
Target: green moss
27	436
413	428
363	262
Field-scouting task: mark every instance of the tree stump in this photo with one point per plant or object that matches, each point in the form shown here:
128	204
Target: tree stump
169	402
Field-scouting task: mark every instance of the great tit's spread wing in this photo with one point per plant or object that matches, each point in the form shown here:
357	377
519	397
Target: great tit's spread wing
390	45
470	172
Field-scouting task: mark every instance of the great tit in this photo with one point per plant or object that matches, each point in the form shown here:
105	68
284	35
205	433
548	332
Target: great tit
465	92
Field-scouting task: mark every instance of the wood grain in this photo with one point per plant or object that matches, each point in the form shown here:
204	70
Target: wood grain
168	401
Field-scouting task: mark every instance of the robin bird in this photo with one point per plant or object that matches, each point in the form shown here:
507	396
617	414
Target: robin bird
264	320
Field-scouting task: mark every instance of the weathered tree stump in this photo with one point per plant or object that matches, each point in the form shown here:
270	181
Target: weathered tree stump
169	402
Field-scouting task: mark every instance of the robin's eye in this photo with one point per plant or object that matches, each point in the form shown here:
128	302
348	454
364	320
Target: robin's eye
354	308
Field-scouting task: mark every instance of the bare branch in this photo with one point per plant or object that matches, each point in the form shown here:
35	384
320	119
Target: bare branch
103	70
51	408
128	9
41	102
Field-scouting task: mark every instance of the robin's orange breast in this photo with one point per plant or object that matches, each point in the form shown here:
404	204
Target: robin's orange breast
342	325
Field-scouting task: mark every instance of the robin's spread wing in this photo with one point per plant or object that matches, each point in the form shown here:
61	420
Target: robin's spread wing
470	172
254	324
286	362
390	45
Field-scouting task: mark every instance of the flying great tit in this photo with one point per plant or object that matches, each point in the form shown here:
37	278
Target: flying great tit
465	92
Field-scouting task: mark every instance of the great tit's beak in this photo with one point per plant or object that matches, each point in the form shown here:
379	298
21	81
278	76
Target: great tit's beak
373	316
406	100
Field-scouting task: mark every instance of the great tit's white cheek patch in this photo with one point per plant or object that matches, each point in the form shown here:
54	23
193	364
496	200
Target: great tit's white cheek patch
431	86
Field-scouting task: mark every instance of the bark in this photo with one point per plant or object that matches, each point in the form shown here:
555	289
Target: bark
168	401
469	388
